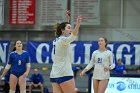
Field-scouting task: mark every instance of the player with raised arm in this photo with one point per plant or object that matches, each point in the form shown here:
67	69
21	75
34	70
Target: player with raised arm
61	76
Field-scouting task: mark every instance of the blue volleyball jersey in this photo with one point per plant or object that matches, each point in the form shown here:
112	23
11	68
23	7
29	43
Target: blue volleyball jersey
18	61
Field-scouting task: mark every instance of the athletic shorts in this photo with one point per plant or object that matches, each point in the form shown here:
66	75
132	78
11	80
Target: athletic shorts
17	74
61	79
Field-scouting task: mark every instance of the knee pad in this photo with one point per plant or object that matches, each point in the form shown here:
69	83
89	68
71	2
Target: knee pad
23	91
12	91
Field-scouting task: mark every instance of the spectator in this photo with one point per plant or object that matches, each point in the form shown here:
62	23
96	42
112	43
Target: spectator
37	81
76	69
120	67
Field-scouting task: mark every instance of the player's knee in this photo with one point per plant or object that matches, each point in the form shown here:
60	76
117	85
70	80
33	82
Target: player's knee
12	91
23	91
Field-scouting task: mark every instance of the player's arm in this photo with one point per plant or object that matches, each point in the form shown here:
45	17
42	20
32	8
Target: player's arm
28	64
7	67
76	29
67	14
112	64
90	65
72	37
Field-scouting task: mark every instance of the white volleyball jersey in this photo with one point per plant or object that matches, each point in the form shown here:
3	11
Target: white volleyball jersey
61	56
100	60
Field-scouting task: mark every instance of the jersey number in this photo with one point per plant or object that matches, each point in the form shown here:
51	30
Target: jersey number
99	60
19	62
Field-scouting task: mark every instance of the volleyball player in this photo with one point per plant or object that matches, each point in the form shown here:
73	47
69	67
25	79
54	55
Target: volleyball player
102	60
19	63
61	76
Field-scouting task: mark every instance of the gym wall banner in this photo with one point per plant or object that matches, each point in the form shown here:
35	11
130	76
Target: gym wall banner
122	85
4	49
81	51
89	9
22	12
52	11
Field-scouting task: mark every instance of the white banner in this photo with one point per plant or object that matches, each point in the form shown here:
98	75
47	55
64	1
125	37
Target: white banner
52	11
122	85
1	12
89	9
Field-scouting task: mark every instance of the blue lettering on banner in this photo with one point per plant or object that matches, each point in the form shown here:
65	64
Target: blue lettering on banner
4	49
40	52
122	85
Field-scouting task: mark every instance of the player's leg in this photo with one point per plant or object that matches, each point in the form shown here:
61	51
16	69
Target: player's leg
68	86
102	86
95	85
56	88
22	84
13	83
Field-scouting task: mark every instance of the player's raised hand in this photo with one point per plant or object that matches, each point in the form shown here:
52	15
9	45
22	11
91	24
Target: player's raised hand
67	14
79	19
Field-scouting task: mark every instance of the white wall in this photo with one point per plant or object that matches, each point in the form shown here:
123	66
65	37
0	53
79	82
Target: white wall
112	34
120	21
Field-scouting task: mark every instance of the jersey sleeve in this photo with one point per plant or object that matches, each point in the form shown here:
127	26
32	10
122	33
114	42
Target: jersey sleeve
112	64
91	63
67	40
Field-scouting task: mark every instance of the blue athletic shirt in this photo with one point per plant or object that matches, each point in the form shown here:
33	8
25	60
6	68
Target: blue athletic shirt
119	69
37	78
18	61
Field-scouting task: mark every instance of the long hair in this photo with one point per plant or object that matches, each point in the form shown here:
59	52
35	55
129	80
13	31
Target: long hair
106	41
60	27
14	49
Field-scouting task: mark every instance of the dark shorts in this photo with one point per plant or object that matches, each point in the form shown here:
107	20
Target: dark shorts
61	79
17	74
